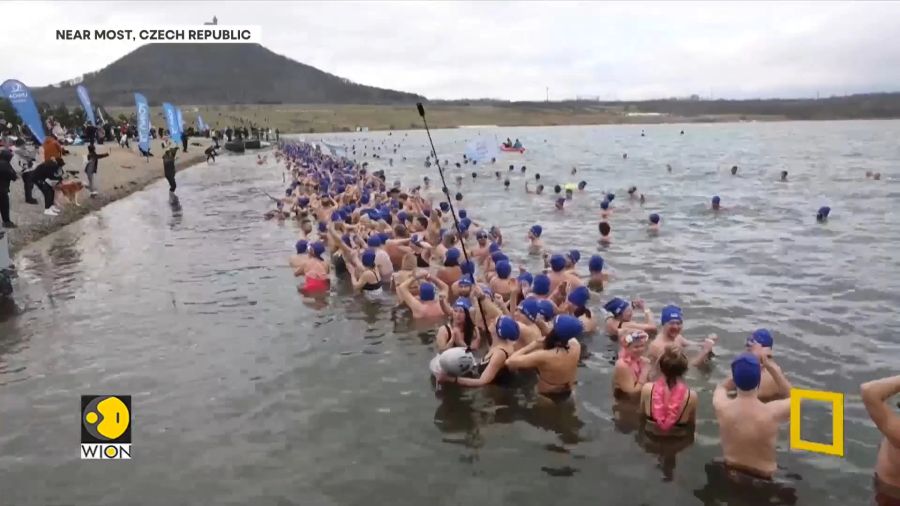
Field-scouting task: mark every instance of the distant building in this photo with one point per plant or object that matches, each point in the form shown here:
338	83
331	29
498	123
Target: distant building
215	21
695	98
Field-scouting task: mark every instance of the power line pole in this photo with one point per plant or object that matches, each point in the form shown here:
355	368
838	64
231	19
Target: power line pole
548	94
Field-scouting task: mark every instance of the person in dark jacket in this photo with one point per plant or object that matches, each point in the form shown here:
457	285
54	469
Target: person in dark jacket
184	140
91	167
7	176
169	168
47	170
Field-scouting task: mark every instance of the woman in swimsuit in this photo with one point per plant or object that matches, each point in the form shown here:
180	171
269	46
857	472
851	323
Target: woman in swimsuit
632	367
492	367
461	331
669	405
317	271
427	305
576	305
555	357
620	321
364	275
421	250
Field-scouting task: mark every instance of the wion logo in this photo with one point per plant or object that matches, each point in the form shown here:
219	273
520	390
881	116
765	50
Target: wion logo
106	427
836	399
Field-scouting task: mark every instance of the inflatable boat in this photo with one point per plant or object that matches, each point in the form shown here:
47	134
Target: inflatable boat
235	146
511	149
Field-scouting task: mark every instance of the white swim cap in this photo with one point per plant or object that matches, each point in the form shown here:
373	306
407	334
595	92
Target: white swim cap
455	362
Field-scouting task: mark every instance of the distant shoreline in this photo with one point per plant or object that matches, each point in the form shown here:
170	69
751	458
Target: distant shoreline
318	118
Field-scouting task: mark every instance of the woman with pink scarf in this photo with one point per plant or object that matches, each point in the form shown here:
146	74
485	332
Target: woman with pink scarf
669	405
632	367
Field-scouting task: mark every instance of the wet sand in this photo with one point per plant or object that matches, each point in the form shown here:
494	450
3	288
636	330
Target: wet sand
122	173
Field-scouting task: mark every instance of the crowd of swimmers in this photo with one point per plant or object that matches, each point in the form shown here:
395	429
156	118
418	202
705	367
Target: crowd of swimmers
494	320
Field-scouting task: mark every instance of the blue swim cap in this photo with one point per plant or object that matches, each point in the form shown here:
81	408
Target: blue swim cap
546	309
468	267
445	206
541	285
504	269
596	263
451	259
462	303
426	291
537	230
493	248
426	212
762	337
465	223
336	216
466	281
823	213
497	256
654	218
374	241
565	327
557	263
402	216
368	258
364	199
507	328
671	313
530	308
384	236
318	249
303	201
526	277
346	239
604	205
610	197
301	246
616	306
580	296
462	214
746	371
323	227
574	256
716	199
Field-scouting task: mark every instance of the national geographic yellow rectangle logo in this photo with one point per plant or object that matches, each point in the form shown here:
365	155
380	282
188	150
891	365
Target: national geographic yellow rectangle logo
836	399
105	427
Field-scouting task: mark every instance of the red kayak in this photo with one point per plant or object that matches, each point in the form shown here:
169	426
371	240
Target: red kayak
510	149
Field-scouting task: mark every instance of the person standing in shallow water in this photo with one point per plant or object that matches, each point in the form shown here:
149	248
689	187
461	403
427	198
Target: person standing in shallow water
887	467
169	168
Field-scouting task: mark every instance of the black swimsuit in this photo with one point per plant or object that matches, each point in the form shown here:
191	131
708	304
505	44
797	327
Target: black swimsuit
687	401
371	287
421	262
503	375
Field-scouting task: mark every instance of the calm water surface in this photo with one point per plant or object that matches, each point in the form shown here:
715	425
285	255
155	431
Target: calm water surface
245	393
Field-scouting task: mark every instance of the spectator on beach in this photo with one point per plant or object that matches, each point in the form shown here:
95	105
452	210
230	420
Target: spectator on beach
50	169
93	164
7	176
184	141
53	150
169	168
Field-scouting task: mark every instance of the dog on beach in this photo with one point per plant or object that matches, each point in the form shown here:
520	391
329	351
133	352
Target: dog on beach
67	191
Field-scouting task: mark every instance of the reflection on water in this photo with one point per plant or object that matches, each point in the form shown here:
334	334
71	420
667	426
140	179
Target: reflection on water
247	392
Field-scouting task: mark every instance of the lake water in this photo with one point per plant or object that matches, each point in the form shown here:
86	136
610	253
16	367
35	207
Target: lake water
246	393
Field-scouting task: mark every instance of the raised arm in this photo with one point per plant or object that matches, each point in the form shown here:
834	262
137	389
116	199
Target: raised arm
874	394
407	297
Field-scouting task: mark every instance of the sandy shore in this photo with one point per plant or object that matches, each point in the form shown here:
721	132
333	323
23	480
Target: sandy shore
120	174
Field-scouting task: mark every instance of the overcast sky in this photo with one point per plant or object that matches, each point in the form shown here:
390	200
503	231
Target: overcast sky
513	50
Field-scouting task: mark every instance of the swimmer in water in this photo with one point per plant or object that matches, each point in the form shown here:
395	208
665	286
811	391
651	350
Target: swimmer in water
363	274
557	189
582	185
298	261
598	277
624	156
492	368
502	284
537	177
784	175
605	233
716	203
643	199
555	357
760	343
574	171
427	305
669	168
887	466
632	192
632	367
459	197
534	238
734	170
458	180
569	194
506	184
654	223
576	305
621	314
668	404
876	176
672	322
451	270
605	211
317	271
560	203
522	170
497	175
868	174
748	427
461	331
822	215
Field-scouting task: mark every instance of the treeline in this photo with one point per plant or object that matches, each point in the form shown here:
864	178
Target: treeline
873	105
